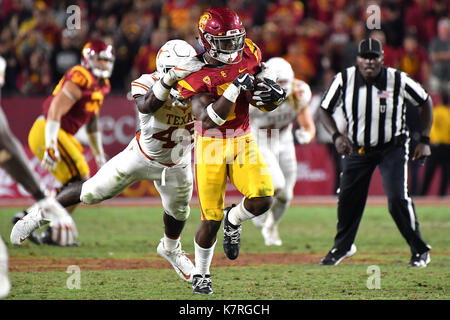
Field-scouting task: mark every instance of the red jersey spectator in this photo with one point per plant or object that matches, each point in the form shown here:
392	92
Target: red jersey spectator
36	77
145	61
283	10
419	18
41	21
390	53
413	59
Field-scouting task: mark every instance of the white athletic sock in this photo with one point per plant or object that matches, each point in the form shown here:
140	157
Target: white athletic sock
239	214
170	244
203	258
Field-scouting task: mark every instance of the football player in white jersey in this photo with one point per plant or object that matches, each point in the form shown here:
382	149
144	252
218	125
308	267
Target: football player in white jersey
273	132
161	151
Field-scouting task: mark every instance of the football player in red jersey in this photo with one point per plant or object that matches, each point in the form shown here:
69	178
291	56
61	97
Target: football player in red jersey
224	146
76	100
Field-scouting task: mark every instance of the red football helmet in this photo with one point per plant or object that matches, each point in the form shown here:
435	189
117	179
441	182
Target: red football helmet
92	54
222	34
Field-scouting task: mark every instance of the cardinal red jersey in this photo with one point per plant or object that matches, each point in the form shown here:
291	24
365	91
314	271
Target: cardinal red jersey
216	79
93	93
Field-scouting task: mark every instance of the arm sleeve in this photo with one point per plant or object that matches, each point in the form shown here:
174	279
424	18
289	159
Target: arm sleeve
333	96
413	91
141	85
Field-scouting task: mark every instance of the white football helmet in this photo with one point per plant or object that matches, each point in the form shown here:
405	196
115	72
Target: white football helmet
283	72
172	53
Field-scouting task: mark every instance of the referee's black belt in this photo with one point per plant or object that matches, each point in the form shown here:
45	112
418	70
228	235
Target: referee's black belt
396	141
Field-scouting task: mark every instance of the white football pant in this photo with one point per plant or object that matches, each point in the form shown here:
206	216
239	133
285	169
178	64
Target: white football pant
282	163
174	184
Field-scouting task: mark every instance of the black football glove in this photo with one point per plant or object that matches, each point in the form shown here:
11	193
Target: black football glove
269	92
244	82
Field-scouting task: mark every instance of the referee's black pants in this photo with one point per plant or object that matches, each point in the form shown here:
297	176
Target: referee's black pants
357	170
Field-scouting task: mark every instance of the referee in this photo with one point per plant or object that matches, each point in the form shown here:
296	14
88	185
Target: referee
373	98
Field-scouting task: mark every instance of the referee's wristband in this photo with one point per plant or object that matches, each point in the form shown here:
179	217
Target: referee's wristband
424	140
336	135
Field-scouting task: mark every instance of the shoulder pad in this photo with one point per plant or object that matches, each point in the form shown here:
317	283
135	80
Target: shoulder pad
80	76
141	85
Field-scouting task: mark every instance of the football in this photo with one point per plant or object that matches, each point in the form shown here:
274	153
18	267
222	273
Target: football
265	107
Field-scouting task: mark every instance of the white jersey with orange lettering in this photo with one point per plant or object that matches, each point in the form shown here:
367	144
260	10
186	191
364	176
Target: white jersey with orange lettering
166	136
160	152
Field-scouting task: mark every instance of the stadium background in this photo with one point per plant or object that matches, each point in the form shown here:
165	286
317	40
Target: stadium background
317	37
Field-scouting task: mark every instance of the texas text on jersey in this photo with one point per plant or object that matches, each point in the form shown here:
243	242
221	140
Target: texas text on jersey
169	128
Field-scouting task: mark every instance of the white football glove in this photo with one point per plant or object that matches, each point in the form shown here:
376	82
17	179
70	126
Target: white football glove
51	156
64	230
177	73
302	136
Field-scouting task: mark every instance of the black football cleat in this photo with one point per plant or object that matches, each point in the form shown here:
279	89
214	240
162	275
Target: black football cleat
231	236
201	284
334	256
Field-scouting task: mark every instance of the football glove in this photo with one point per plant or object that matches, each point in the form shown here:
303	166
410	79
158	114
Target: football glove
244	82
51	157
64	230
269	93
302	136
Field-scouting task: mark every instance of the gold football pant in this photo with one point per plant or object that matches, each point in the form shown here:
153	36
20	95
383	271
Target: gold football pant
235	158
72	164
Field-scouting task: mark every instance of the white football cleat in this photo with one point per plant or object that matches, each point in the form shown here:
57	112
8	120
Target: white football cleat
178	259
64	230
5	285
271	236
26	225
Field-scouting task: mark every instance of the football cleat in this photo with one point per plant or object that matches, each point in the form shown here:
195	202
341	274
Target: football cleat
25	226
334	256
419	260
201	284
34	236
271	236
231	236
178	259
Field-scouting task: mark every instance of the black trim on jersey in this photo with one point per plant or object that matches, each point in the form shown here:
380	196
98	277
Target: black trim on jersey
344	92
355	106
414	95
397	81
382	86
368	115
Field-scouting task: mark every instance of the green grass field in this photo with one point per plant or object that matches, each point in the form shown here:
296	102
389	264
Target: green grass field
126	233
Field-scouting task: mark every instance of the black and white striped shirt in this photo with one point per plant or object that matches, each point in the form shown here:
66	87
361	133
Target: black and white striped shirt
375	112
